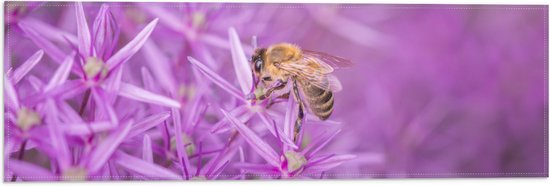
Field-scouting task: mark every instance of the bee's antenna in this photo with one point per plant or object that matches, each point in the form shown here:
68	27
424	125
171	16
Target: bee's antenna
254	42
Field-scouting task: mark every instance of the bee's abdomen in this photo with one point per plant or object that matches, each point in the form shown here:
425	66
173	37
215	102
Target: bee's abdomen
321	102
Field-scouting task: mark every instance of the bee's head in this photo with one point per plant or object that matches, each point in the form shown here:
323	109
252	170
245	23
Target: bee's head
257	60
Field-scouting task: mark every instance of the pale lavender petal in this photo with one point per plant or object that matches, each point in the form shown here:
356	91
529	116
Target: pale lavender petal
261	169
182	155
102	102
260	146
147	149
52	33
113	83
148	123
81	129
35	82
139	94
11	95
30	172
272	127
107	147
58	140
316	165
101	29
318	143
26	66
144	168
61	74
217	79
240	62
51	49
132	47
83	32
166	18
160	66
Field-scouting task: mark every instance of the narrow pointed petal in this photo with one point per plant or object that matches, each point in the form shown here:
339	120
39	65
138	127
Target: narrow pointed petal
257	168
113	83
52	33
81	129
144	168
160	66
182	155
102	101
83	32
30	172
217	79
318	143
139	94
51	49
107	147
11	95
101	30
147	149
61	74
166	18
132	47
321	164
22	70
148	123
260	146
240	62
272	127
58	140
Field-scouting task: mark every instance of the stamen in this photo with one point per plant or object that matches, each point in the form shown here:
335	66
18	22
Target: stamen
27	118
75	174
94	67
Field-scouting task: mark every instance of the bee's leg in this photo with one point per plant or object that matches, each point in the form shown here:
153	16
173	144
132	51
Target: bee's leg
278	99
279	84
298	124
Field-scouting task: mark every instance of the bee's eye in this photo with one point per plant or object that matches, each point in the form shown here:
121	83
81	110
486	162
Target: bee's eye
258	65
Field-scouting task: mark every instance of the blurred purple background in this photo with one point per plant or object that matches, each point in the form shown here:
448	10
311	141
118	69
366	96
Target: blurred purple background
436	90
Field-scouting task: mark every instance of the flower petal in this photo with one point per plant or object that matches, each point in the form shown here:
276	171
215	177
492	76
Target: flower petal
260	146
11	95
144	168
83	32
81	129
103	102
27	66
58	140
147	149
148	123
139	94
320	164
132	47
52	33
272	127
318	143
240	62
107	147
51	49
160	66
30	172
217	79
182	155
61	74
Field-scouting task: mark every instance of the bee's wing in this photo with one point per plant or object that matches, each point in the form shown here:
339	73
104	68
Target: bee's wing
327	59
313	71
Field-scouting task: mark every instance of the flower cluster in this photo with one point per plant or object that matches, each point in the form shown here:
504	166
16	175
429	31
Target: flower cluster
98	115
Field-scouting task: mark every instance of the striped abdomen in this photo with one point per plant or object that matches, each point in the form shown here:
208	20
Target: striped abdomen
320	102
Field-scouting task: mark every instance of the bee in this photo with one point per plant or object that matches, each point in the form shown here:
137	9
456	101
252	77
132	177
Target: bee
308	72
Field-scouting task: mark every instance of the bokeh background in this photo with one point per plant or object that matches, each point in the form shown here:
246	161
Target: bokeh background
435	90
